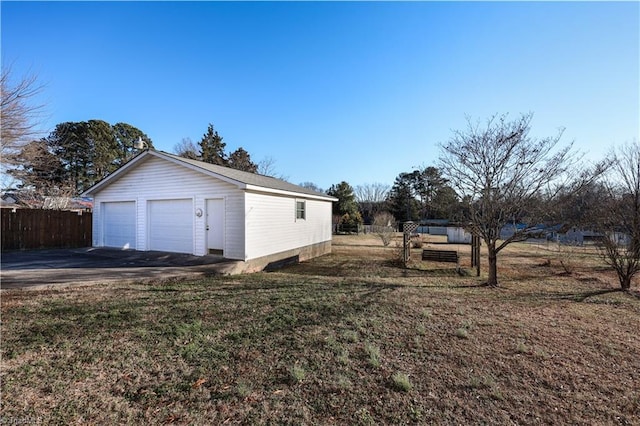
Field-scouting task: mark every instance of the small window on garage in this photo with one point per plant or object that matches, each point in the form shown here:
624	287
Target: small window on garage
301	210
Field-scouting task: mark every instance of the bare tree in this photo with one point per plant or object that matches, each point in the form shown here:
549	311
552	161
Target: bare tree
384	226
42	177
312	186
186	149
620	221
267	167
19	117
372	192
19	120
371	198
503	174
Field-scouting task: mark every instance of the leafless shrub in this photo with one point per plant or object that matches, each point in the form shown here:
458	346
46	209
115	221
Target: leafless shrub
384	225
620	219
567	258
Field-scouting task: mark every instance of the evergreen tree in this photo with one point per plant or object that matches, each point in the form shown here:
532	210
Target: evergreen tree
423	194
346	207
402	201
446	205
87	151
103	150
69	142
346	203
241	160
126	136
212	147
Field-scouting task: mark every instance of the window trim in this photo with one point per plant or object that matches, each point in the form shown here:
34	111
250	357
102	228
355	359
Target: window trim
301	213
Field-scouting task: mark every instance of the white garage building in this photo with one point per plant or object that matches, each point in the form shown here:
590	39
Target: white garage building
160	201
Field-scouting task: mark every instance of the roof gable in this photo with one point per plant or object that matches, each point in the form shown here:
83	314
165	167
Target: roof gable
241	179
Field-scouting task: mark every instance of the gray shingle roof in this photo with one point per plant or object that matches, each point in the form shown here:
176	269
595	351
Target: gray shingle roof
247	178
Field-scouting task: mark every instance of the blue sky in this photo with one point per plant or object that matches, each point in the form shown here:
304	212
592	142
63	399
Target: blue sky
334	91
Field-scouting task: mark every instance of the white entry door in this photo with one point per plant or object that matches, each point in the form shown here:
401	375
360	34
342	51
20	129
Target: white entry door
215	226
171	225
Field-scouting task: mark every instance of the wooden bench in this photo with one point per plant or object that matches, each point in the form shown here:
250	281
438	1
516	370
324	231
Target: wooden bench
440	255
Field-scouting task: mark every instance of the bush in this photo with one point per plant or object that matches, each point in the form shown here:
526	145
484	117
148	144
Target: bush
353	219
384	225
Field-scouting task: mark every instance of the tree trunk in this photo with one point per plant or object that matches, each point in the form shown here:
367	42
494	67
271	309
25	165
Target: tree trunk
625	283
492	281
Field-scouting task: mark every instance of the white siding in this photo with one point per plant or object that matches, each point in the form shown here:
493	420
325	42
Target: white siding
158	179
96	225
272	226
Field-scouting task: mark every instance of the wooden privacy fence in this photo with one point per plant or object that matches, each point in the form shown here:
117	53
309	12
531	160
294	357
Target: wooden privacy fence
24	229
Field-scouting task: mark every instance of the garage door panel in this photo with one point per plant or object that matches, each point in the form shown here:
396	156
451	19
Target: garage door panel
119	224
171	225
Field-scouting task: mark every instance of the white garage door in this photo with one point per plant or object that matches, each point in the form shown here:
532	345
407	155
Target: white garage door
119	224
171	225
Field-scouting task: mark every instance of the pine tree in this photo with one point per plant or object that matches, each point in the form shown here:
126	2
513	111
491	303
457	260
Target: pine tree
212	147
69	142
402	201
346	203
103	151
241	160
126	136
87	150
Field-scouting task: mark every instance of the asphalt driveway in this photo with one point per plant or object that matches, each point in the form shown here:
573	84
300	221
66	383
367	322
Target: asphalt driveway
29	269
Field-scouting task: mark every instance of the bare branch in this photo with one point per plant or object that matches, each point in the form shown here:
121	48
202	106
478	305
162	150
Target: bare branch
619	221
503	174
19	118
267	167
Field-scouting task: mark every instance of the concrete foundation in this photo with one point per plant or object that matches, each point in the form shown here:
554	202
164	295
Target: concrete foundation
277	260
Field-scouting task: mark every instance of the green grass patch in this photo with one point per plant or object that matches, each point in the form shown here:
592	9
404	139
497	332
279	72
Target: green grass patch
401	382
373	354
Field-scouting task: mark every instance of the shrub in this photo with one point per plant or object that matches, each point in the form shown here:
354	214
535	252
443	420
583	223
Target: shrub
353	219
384	225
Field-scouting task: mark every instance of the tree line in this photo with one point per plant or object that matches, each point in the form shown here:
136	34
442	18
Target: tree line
74	156
211	149
489	175
494	174
77	155
419	195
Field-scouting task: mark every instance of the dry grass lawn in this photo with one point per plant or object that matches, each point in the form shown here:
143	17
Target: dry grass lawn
348	338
